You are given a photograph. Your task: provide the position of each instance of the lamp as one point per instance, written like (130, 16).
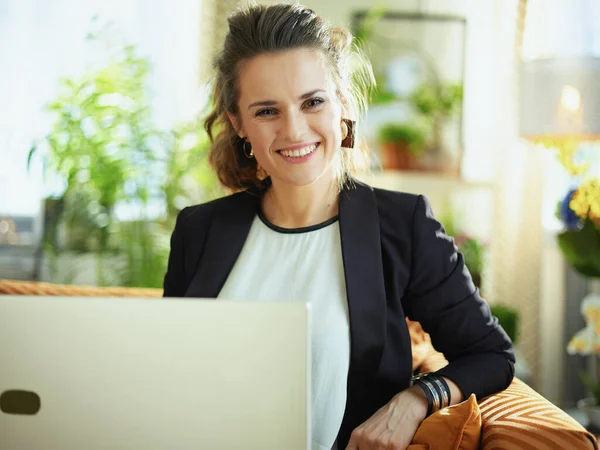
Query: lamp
(560, 104)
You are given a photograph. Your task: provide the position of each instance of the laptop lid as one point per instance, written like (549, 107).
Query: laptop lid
(131, 373)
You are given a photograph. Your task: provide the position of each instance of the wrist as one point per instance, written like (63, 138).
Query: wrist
(421, 402)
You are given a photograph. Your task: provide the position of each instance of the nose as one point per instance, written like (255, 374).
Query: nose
(295, 126)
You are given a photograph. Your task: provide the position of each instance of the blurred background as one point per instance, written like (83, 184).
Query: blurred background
(491, 108)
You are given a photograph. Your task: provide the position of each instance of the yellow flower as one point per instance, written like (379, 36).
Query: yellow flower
(586, 200)
(565, 149)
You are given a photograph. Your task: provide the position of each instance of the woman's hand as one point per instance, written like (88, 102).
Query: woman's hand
(394, 425)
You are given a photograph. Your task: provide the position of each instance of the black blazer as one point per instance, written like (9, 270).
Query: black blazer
(398, 263)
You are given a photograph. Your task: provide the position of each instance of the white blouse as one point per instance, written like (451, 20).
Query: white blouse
(278, 264)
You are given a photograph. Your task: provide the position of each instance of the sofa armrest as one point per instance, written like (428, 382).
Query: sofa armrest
(17, 287)
(520, 418)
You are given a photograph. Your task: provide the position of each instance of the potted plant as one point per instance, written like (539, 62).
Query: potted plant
(106, 152)
(579, 212)
(401, 145)
(437, 103)
(99, 147)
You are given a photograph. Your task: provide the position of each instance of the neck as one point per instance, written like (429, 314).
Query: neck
(289, 206)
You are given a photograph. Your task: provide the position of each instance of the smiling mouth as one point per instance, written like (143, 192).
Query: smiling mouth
(300, 152)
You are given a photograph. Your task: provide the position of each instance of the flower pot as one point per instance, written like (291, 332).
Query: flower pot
(591, 410)
(397, 156)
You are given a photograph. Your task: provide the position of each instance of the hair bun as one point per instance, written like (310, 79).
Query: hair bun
(341, 40)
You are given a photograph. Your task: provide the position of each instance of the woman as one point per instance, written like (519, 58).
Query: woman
(300, 227)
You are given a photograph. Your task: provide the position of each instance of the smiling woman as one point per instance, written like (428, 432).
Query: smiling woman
(286, 110)
(296, 133)
(282, 90)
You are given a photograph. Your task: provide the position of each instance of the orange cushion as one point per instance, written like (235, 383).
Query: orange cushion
(519, 418)
(457, 427)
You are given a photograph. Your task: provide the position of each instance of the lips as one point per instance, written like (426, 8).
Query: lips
(300, 152)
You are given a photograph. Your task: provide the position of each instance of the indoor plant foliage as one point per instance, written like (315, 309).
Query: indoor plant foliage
(100, 148)
(107, 154)
(579, 212)
(580, 244)
(580, 241)
(401, 145)
(437, 103)
(433, 104)
(472, 248)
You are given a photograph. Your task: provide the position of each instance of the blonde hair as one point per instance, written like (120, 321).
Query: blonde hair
(257, 29)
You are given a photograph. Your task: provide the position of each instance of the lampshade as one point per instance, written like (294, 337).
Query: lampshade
(560, 98)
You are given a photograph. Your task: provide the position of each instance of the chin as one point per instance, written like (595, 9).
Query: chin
(301, 180)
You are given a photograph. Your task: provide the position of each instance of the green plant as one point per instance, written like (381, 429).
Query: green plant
(446, 218)
(106, 151)
(437, 100)
(364, 30)
(473, 251)
(409, 134)
(186, 165)
(434, 100)
(579, 242)
(508, 318)
(381, 95)
(472, 248)
(100, 146)
(437, 103)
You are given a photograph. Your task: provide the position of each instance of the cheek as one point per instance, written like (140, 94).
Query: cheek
(332, 129)
(262, 138)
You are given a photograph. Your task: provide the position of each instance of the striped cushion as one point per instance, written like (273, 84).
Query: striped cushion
(521, 419)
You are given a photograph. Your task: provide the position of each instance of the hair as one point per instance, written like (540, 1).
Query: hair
(256, 30)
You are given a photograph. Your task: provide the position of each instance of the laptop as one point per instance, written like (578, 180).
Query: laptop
(154, 374)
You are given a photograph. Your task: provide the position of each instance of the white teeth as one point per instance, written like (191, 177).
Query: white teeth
(299, 153)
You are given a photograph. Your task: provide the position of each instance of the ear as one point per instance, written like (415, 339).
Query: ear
(235, 124)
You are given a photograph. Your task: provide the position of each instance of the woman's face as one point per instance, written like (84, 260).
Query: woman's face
(290, 114)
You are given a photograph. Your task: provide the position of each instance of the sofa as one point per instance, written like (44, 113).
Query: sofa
(517, 418)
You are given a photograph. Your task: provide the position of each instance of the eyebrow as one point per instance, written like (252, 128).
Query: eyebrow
(273, 102)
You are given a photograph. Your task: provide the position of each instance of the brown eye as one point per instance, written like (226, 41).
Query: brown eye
(267, 112)
(314, 102)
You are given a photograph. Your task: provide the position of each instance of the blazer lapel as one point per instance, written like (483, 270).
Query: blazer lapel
(363, 266)
(226, 237)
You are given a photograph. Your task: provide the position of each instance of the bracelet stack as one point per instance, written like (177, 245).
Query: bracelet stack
(436, 390)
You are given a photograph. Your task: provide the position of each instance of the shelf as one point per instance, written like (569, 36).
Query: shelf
(426, 183)
(470, 202)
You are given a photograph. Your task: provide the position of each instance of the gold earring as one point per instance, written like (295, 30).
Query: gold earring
(349, 127)
(344, 129)
(261, 173)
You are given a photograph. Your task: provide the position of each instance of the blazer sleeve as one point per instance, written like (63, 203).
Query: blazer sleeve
(441, 296)
(175, 281)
